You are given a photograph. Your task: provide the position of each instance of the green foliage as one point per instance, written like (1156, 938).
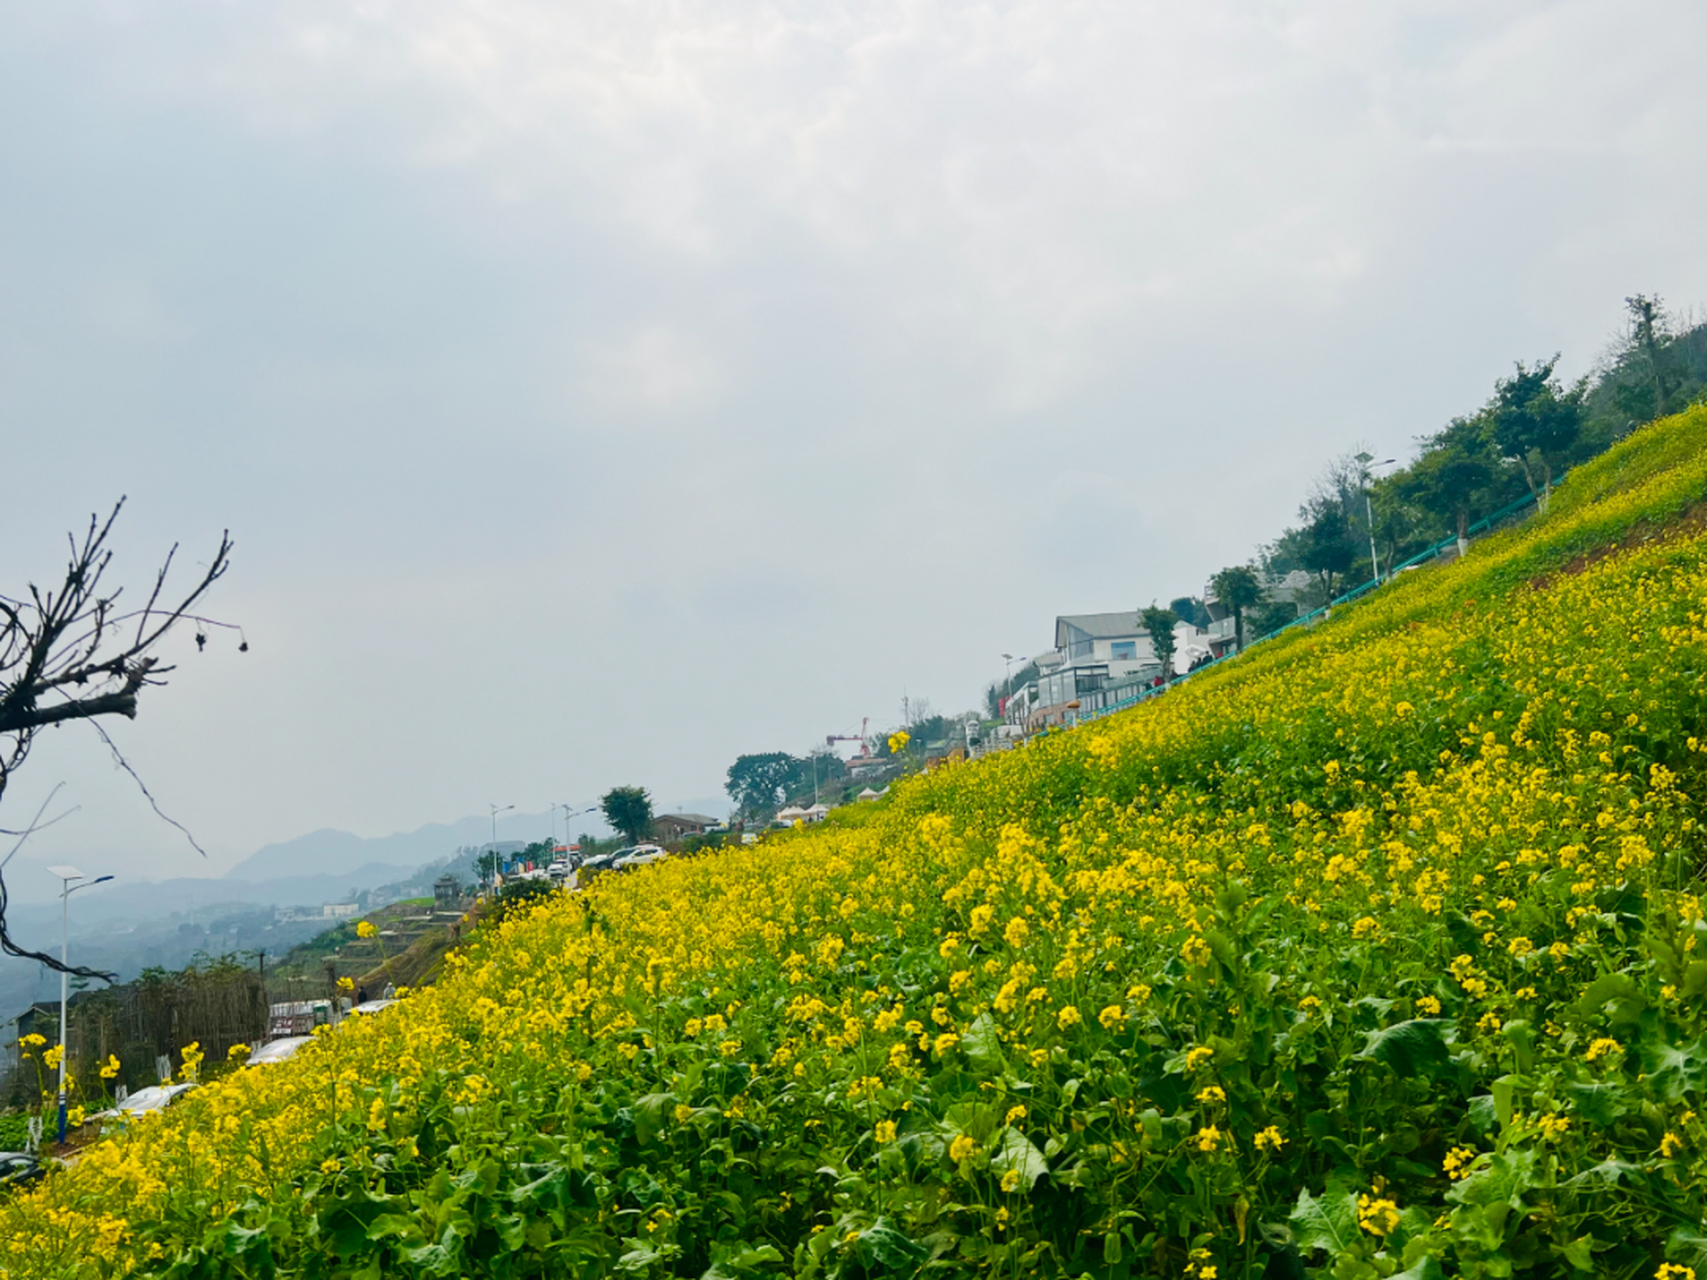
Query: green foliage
(1328, 550)
(1190, 609)
(1238, 588)
(1530, 429)
(628, 810)
(760, 784)
(518, 893)
(1535, 423)
(1159, 623)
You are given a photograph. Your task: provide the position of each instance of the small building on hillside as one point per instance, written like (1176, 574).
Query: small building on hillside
(667, 828)
(447, 893)
(41, 1018)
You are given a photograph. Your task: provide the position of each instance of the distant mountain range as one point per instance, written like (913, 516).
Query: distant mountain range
(130, 927)
(141, 923)
(334, 853)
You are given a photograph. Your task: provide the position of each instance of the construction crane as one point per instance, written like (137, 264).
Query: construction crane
(831, 739)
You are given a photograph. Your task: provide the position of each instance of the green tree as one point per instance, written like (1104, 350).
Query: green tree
(1271, 616)
(628, 810)
(1238, 588)
(1160, 624)
(1452, 477)
(1191, 609)
(1535, 424)
(1648, 332)
(1400, 526)
(759, 783)
(1329, 551)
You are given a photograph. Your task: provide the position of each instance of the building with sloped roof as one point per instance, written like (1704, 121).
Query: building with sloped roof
(670, 827)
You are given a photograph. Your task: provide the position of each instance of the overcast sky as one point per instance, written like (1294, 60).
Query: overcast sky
(598, 391)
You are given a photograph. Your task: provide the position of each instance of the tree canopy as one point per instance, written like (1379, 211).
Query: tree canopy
(1329, 550)
(628, 810)
(1238, 588)
(1160, 625)
(1535, 423)
(759, 783)
(1452, 478)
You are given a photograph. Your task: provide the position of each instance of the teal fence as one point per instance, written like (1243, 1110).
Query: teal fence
(1505, 515)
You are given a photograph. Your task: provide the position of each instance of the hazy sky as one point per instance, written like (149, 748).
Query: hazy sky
(598, 391)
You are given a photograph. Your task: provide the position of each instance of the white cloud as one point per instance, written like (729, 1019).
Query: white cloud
(654, 371)
(1018, 175)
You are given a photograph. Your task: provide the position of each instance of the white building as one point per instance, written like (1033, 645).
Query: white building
(1091, 650)
(1095, 652)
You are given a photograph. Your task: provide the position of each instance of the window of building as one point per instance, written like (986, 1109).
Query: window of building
(1125, 651)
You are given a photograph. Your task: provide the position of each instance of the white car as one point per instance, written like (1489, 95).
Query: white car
(638, 856)
(277, 1050)
(156, 1097)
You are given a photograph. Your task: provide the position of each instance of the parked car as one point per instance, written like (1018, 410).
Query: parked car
(601, 861)
(277, 1050)
(156, 1097)
(639, 856)
(17, 1168)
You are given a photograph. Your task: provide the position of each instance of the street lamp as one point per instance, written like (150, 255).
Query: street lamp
(1008, 677)
(1369, 508)
(66, 889)
(569, 812)
(567, 815)
(496, 810)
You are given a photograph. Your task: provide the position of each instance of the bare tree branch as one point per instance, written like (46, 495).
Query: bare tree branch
(143, 787)
(63, 658)
(6, 944)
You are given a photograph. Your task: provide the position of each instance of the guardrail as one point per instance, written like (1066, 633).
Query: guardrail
(1481, 528)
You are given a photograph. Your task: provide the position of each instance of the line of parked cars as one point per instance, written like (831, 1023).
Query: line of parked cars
(634, 855)
(566, 874)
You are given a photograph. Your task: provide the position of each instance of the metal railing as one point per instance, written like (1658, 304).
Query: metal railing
(1482, 527)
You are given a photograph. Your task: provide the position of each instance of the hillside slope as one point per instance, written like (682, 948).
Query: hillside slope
(1371, 953)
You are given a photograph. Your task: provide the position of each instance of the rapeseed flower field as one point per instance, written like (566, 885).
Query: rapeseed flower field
(1375, 953)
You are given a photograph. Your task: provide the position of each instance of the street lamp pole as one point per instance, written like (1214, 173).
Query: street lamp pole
(496, 810)
(1369, 511)
(569, 811)
(66, 889)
